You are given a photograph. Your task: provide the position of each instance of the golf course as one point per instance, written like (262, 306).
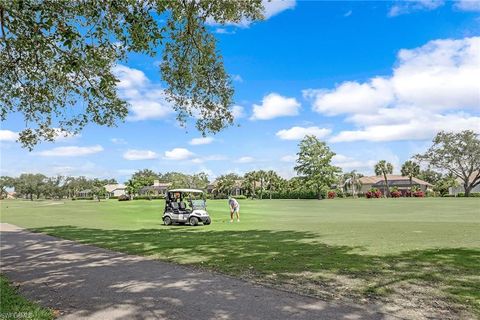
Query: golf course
(383, 249)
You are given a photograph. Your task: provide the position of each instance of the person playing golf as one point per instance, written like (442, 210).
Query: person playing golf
(234, 208)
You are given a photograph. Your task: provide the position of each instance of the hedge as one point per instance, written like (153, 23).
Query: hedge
(148, 198)
(472, 194)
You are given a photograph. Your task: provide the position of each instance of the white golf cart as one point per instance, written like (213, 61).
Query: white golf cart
(185, 206)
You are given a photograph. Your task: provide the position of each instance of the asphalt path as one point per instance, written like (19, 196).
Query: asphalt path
(86, 282)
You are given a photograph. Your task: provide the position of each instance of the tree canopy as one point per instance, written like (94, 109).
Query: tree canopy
(314, 164)
(57, 60)
(458, 154)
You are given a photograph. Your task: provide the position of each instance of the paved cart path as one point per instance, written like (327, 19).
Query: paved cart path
(86, 282)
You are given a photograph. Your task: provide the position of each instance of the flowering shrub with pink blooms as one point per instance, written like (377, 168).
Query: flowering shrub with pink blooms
(419, 194)
(373, 193)
(395, 194)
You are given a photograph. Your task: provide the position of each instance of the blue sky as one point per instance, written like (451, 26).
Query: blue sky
(376, 80)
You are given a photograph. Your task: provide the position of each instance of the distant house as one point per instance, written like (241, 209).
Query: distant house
(11, 195)
(237, 188)
(85, 193)
(460, 189)
(116, 190)
(401, 182)
(158, 188)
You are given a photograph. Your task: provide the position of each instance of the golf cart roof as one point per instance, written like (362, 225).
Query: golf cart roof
(186, 190)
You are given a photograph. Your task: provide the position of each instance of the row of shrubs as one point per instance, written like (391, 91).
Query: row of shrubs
(462, 195)
(332, 194)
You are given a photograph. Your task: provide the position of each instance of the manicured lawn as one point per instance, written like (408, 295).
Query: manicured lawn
(382, 248)
(14, 306)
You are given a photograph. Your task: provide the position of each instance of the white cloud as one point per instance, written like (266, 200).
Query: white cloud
(8, 135)
(274, 7)
(273, 106)
(405, 7)
(352, 96)
(297, 133)
(289, 158)
(271, 8)
(430, 90)
(237, 78)
(224, 31)
(147, 100)
(71, 151)
(348, 13)
(214, 157)
(348, 163)
(119, 141)
(129, 77)
(132, 154)
(178, 154)
(62, 135)
(238, 112)
(126, 172)
(468, 5)
(421, 126)
(201, 140)
(245, 159)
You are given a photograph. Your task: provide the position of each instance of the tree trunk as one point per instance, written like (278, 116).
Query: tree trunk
(468, 188)
(387, 190)
(270, 192)
(411, 187)
(261, 189)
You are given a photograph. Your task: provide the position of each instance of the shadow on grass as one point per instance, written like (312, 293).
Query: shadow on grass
(282, 256)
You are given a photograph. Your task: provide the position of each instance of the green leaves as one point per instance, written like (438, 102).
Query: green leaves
(56, 60)
(314, 163)
(457, 153)
(410, 169)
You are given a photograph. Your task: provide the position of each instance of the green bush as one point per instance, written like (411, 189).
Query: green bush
(340, 193)
(294, 195)
(148, 198)
(472, 194)
(84, 198)
(240, 197)
(431, 194)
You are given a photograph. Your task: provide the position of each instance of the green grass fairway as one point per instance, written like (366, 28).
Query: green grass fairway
(382, 248)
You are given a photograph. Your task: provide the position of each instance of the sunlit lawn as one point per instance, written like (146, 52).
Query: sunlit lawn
(353, 248)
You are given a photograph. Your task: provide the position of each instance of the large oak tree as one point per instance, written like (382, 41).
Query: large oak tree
(57, 56)
(458, 154)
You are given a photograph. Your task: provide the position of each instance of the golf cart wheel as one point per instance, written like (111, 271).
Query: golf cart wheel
(193, 221)
(167, 221)
(208, 221)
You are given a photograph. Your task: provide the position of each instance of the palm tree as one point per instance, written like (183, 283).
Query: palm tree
(410, 169)
(352, 180)
(249, 183)
(383, 168)
(272, 179)
(261, 177)
(225, 184)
